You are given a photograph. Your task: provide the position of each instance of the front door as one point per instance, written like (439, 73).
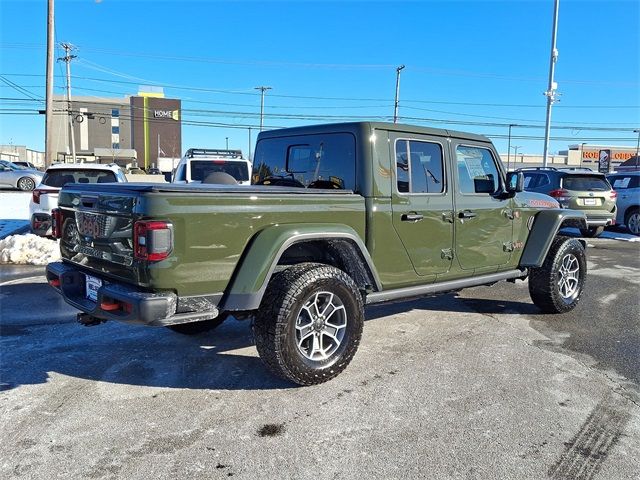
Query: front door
(483, 221)
(422, 201)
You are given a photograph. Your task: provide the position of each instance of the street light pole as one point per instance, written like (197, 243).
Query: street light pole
(637, 147)
(551, 92)
(515, 154)
(67, 59)
(262, 90)
(227, 139)
(395, 108)
(509, 145)
(250, 144)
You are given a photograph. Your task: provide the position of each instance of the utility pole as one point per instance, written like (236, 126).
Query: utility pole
(67, 59)
(637, 147)
(48, 121)
(509, 145)
(551, 92)
(262, 90)
(250, 145)
(395, 108)
(227, 139)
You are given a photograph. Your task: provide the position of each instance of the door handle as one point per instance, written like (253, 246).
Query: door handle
(467, 214)
(411, 217)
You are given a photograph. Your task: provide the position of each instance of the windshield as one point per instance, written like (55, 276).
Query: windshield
(200, 169)
(311, 161)
(10, 165)
(585, 183)
(59, 177)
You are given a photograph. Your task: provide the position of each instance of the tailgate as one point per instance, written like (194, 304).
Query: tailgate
(97, 231)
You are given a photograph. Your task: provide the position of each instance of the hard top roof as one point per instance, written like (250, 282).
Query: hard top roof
(359, 126)
(84, 166)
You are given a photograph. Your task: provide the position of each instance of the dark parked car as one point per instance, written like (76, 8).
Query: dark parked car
(577, 189)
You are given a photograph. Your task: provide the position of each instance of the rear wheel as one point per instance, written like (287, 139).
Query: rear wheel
(26, 184)
(591, 232)
(556, 286)
(197, 327)
(632, 221)
(309, 324)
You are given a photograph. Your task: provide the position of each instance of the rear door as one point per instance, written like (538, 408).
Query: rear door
(422, 201)
(483, 222)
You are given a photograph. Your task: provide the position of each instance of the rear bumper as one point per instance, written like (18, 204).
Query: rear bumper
(601, 220)
(125, 303)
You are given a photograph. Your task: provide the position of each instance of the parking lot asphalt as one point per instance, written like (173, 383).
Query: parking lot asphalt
(476, 385)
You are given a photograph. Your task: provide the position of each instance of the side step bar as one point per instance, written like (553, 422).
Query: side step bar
(412, 292)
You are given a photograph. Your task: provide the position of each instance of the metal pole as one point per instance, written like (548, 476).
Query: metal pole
(397, 101)
(67, 59)
(553, 86)
(262, 90)
(227, 139)
(48, 123)
(637, 147)
(509, 149)
(250, 145)
(515, 153)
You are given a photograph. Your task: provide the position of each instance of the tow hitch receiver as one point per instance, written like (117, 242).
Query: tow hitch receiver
(88, 320)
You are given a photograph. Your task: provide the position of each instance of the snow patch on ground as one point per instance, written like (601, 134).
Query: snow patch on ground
(29, 249)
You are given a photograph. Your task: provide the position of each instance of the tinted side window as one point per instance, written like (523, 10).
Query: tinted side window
(179, 176)
(200, 169)
(536, 180)
(623, 182)
(475, 164)
(311, 161)
(419, 167)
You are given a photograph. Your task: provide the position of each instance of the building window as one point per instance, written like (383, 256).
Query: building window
(115, 129)
(115, 113)
(115, 145)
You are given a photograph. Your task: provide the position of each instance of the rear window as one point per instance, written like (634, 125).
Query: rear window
(622, 182)
(585, 183)
(307, 161)
(59, 177)
(201, 169)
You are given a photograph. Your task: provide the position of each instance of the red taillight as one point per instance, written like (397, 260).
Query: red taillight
(54, 282)
(560, 192)
(613, 194)
(152, 240)
(56, 223)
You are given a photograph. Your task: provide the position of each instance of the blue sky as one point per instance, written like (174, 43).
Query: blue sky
(470, 65)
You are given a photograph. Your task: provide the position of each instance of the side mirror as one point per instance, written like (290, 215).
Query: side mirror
(483, 185)
(515, 182)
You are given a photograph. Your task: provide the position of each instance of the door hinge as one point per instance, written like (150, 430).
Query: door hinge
(447, 217)
(508, 213)
(446, 254)
(507, 247)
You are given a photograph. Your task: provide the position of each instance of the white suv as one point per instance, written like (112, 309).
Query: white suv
(45, 196)
(204, 165)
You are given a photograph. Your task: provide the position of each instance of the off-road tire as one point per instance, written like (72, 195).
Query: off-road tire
(274, 326)
(591, 232)
(632, 221)
(544, 281)
(195, 328)
(26, 184)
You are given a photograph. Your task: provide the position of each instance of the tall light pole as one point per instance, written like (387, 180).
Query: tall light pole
(250, 145)
(551, 92)
(48, 122)
(515, 154)
(67, 59)
(395, 108)
(227, 139)
(637, 147)
(509, 145)
(262, 90)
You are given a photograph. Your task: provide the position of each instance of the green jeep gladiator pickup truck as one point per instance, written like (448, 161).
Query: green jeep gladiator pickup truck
(337, 217)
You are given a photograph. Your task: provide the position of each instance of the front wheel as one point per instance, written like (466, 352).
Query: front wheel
(309, 324)
(26, 184)
(556, 286)
(632, 221)
(591, 232)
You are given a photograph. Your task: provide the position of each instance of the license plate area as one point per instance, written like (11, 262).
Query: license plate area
(92, 284)
(590, 201)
